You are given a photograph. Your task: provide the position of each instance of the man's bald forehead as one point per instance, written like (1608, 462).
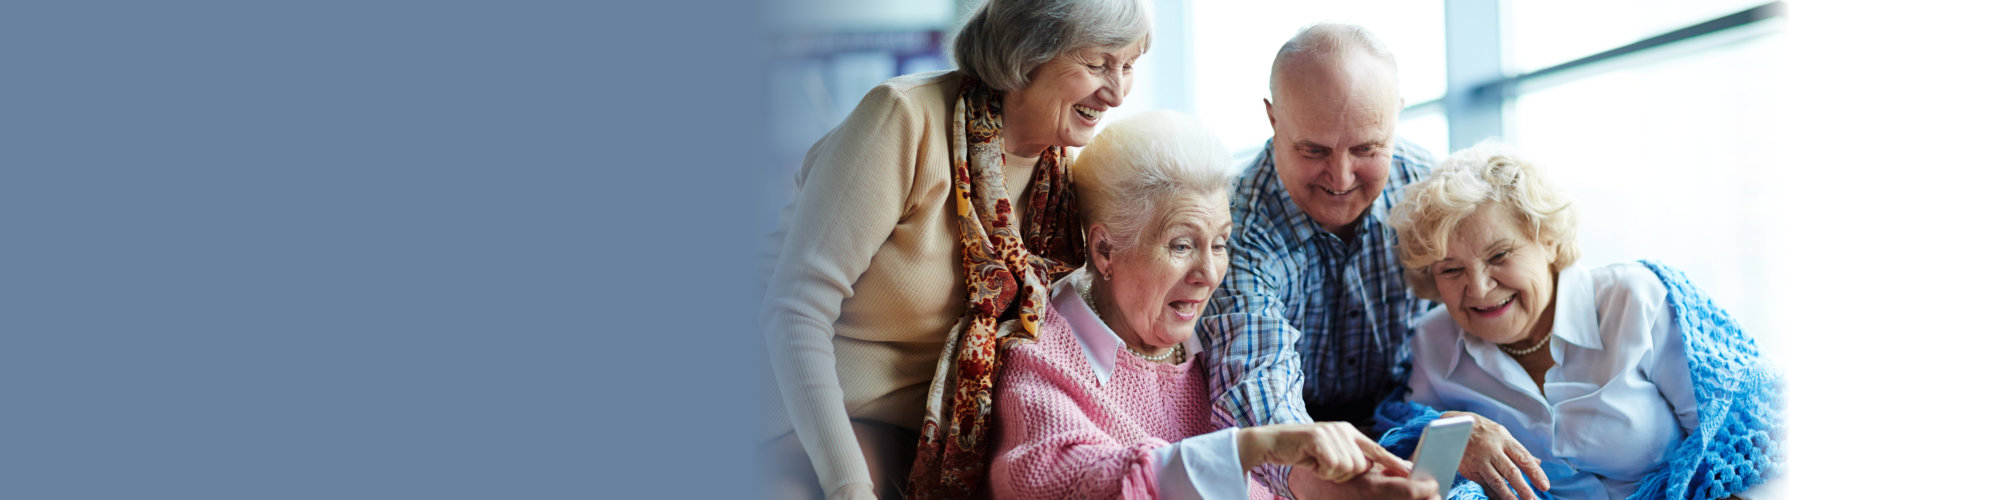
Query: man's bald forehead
(1324, 46)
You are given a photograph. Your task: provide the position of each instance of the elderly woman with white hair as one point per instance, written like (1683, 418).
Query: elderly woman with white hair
(1107, 402)
(1621, 381)
(937, 211)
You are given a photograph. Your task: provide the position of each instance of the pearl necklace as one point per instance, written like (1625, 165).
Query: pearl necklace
(1531, 350)
(1175, 355)
(1172, 356)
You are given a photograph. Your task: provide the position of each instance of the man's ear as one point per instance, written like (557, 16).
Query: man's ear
(1271, 113)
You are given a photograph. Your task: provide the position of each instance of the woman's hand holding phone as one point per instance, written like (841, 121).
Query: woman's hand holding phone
(1495, 460)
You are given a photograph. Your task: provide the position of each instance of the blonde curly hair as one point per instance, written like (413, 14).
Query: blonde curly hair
(1486, 174)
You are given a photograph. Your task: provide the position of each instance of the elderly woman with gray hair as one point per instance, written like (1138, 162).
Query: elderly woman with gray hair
(932, 220)
(1107, 403)
(1620, 381)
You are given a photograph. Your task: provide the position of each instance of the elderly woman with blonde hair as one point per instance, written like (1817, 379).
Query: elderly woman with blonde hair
(1621, 381)
(939, 210)
(1107, 403)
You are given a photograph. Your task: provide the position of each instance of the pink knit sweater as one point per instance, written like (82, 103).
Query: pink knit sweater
(1063, 434)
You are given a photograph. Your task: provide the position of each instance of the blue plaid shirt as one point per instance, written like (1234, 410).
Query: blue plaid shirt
(1297, 299)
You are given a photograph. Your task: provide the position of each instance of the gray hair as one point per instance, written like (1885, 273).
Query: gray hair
(1328, 40)
(1136, 163)
(1004, 40)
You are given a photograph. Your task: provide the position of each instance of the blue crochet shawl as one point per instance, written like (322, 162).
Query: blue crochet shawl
(1739, 399)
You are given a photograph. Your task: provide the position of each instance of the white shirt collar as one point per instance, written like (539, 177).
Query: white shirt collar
(1100, 346)
(1576, 308)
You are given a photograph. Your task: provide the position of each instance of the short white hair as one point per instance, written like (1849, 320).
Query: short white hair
(1004, 40)
(1136, 163)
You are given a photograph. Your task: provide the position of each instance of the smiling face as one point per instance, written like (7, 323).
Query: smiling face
(1159, 285)
(1495, 279)
(1066, 99)
(1334, 124)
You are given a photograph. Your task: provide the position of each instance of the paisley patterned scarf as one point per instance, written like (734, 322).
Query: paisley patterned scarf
(1007, 279)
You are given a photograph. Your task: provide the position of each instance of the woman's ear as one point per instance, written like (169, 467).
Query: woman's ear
(1097, 241)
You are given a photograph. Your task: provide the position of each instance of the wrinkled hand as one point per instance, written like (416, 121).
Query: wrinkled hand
(1333, 451)
(853, 491)
(1378, 483)
(1498, 462)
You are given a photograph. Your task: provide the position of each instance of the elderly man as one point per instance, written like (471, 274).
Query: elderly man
(1312, 320)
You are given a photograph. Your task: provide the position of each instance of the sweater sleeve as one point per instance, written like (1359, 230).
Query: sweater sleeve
(852, 190)
(1048, 446)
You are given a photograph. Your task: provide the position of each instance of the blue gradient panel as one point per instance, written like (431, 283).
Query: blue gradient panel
(376, 250)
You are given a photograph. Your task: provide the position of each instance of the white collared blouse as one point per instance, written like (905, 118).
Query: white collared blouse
(1618, 398)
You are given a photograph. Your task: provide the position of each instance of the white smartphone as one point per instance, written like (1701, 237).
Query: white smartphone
(1440, 448)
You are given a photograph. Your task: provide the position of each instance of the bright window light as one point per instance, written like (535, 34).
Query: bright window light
(1545, 33)
(1672, 161)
